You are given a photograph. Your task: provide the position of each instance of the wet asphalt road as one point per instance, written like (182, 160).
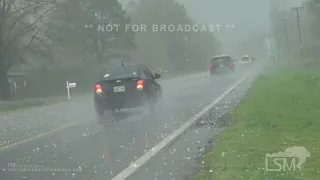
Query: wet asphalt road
(65, 140)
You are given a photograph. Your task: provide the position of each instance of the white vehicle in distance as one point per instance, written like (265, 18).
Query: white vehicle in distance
(245, 60)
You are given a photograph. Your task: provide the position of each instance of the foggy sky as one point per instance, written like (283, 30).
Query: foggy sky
(250, 17)
(239, 12)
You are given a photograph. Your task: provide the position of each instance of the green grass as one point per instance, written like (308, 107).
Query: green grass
(281, 111)
(14, 105)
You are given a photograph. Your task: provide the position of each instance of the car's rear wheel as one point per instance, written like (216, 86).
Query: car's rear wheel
(152, 103)
(99, 110)
(100, 114)
(111, 111)
(159, 94)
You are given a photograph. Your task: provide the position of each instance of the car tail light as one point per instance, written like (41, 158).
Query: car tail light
(98, 89)
(211, 66)
(140, 84)
(230, 64)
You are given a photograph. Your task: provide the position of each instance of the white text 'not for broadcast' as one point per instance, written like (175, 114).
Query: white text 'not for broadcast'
(162, 28)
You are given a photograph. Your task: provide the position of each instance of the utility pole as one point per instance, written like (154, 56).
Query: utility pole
(278, 49)
(296, 9)
(287, 40)
(286, 34)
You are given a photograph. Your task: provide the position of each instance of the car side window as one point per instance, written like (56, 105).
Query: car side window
(148, 73)
(142, 73)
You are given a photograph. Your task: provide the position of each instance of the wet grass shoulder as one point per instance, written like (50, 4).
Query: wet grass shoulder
(15, 105)
(281, 111)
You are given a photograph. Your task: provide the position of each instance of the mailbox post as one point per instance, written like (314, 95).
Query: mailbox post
(69, 86)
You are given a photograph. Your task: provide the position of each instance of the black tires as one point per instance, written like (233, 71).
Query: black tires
(104, 114)
(159, 94)
(111, 111)
(99, 110)
(155, 103)
(100, 114)
(152, 102)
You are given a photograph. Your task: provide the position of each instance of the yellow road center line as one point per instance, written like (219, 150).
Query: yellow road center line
(7, 147)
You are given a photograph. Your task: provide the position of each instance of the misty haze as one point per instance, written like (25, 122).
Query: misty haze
(159, 89)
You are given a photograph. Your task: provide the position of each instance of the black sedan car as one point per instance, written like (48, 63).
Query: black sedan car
(222, 63)
(126, 86)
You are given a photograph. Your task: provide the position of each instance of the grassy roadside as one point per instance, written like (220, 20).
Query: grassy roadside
(6, 107)
(11, 106)
(14, 105)
(281, 111)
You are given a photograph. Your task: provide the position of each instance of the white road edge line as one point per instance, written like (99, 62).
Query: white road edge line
(127, 172)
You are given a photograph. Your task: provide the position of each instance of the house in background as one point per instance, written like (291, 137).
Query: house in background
(17, 79)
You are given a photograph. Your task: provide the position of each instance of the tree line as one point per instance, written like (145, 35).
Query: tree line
(60, 40)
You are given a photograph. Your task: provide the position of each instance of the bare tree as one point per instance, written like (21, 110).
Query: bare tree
(21, 25)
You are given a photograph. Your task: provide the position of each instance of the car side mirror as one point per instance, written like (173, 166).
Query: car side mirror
(157, 76)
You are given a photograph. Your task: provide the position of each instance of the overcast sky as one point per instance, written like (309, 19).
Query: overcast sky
(250, 17)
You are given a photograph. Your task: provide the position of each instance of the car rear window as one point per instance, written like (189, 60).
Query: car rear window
(220, 60)
(244, 59)
(120, 72)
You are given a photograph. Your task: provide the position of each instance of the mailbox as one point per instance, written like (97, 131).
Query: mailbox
(72, 85)
(69, 86)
